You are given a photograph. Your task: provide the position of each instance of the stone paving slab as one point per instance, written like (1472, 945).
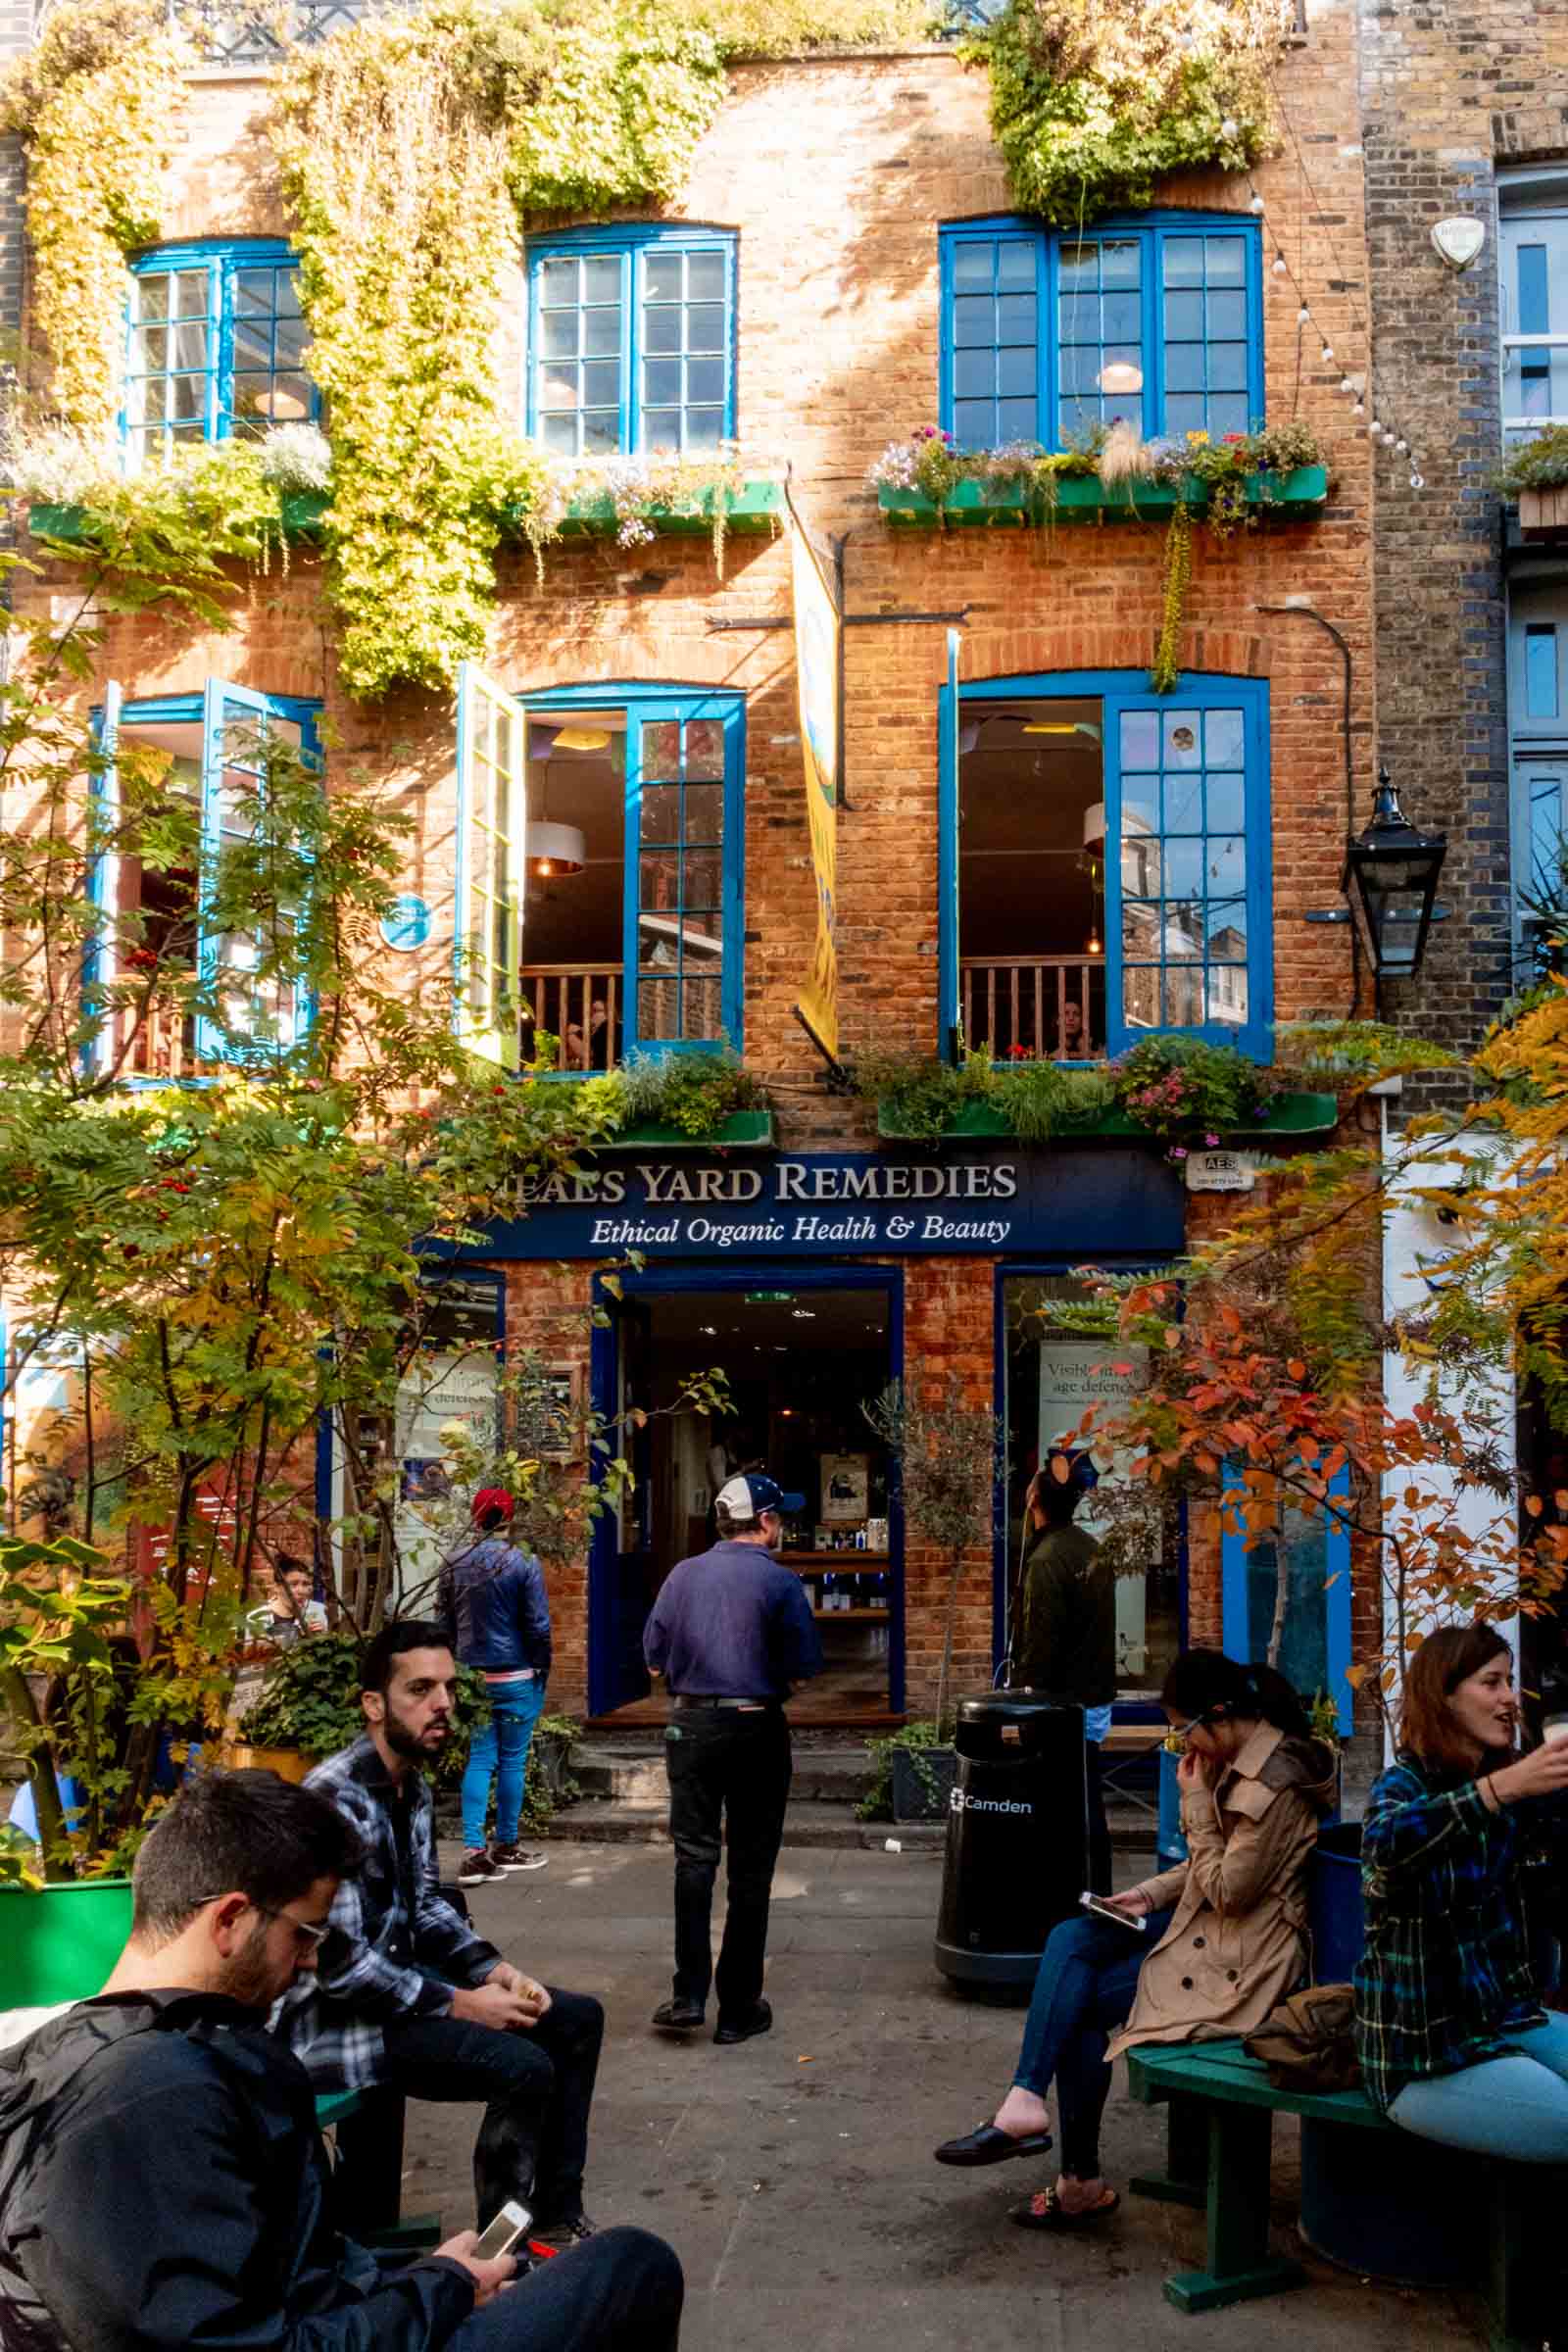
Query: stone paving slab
(802, 2196)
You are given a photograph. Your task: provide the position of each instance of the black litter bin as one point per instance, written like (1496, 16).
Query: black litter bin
(1017, 1836)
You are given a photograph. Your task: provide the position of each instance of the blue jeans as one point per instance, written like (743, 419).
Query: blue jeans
(1084, 1989)
(498, 1751)
(1515, 2106)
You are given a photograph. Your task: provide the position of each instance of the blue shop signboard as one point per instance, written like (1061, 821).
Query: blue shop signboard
(851, 1205)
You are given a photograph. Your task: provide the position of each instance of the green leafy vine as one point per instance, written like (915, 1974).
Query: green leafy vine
(97, 106)
(1093, 101)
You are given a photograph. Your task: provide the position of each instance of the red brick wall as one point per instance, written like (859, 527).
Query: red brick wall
(836, 175)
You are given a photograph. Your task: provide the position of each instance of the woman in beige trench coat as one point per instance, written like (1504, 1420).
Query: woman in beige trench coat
(1207, 1948)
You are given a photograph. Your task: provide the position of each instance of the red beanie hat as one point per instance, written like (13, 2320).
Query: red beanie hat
(489, 1500)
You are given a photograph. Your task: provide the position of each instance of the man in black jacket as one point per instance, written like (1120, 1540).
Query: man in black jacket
(161, 2181)
(1064, 1642)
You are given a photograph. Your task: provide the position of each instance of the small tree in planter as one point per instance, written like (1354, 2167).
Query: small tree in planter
(946, 1457)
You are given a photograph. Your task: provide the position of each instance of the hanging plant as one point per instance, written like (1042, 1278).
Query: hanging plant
(97, 106)
(1165, 668)
(1093, 101)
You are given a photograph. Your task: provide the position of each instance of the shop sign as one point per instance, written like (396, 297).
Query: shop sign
(1072, 1204)
(1222, 1171)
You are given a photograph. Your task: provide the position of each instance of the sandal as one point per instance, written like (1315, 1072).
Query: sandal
(1045, 2210)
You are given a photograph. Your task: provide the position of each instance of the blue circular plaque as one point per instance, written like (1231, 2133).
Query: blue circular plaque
(406, 924)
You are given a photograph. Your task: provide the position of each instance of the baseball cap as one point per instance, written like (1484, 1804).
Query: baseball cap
(746, 1498)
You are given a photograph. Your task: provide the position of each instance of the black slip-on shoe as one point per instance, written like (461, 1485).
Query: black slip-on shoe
(742, 2027)
(678, 2017)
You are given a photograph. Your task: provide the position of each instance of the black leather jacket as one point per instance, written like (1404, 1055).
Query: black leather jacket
(162, 2185)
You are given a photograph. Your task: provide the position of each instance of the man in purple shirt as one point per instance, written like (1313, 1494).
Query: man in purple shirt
(730, 1632)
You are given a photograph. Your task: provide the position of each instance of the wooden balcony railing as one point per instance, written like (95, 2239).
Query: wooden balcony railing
(1024, 1007)
(578, 1003)
(162, 1045)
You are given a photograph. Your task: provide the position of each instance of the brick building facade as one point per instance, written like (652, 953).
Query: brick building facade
(834, 177)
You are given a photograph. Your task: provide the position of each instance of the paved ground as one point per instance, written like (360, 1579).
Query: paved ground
(793, 2174)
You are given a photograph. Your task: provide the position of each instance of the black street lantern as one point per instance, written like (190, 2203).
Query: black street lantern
(1394, 870)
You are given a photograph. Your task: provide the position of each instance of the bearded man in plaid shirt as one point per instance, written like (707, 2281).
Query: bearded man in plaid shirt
(406, 1995)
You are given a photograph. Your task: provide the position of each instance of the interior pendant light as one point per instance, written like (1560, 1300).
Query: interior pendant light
(554, 850)
(582, 739)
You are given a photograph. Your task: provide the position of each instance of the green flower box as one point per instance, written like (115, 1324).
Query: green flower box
(1292, 1116)
(1085, 498)
(742, 1131)
(755, 507)
(58, 1943)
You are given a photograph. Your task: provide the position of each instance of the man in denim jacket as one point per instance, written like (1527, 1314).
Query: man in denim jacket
(494, 1604)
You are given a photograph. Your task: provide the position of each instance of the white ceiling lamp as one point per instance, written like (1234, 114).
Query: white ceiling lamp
(1120, 376)
(555, 849)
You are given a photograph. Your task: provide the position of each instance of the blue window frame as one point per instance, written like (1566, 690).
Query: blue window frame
(1157, 318)
(632, 339)
(679, 754)
(216, 346)
(1188, 887)
(1295, 1578)
(216, 740)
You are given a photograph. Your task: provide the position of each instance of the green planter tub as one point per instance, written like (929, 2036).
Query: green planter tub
(59, 1944)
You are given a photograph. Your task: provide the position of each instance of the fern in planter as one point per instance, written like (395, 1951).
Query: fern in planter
(697, 1092)
(913, 1740)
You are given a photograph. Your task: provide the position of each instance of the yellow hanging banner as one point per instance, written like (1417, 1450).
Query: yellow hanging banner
(819, 673)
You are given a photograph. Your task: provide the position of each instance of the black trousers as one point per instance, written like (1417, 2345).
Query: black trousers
(730, 1770)
(620, 2293)
(1100, 1881)
(537, 2088)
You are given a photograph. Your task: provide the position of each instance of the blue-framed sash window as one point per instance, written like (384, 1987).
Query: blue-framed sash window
(631, 340)
(216, 346)
(1188, 883)
(1047, 333)
(1290, 1584)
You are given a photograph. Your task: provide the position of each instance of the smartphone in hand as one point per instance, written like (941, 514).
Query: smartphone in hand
(503, 2234)
(1099, 1909)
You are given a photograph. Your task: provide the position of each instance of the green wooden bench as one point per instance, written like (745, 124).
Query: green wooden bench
(368, 2177)
(1220, 2143)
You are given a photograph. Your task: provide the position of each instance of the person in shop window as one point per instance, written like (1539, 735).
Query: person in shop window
(730, 1633)
(1065, 1641)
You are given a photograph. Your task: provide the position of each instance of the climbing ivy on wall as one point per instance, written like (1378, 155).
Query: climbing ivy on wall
(409, 149)
(98, 106)
(1093, 101)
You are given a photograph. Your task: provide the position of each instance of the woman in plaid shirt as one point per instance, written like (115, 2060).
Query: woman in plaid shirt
(1455, 2043)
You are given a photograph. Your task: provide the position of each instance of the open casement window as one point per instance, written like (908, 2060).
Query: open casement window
(635, 942)
(1156, 317)
(1287, 1592)
(100, 963)
(259, 1014)
(492, 834)
(1106, 870)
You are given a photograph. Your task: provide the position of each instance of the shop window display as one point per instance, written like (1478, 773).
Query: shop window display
(1053, 1375)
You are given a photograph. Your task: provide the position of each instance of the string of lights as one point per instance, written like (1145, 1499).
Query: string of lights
(1367, 392)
